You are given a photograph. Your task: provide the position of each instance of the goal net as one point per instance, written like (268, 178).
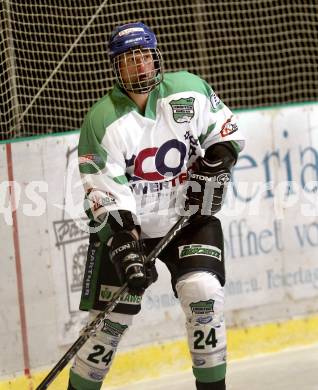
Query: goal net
(54, 63)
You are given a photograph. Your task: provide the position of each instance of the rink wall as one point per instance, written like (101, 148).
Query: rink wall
(270, 225)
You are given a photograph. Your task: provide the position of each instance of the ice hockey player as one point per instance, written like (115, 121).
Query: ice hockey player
(156, 146)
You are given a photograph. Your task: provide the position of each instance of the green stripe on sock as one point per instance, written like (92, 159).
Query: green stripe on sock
(83, 384)
(213, 374)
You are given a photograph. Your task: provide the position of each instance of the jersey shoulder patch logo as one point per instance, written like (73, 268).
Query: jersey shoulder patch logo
(215, 101)
(228, 127)
(183, 109)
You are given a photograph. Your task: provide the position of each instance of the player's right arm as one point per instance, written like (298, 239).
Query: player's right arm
(109, 200)
(102, 169)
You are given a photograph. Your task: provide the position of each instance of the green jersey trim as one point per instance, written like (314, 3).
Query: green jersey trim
(236, 146)
(121, 179)
(183, 82)
(203, 137)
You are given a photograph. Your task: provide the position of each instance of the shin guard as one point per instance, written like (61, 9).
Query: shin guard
(94, 359)
(202, 299)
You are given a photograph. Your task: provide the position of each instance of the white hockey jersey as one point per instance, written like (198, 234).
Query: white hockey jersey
(138, 161)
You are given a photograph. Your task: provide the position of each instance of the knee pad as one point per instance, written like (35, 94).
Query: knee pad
(202, 299)
(93, 360)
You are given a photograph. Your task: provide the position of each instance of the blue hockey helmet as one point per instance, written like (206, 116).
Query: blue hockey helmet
(130, 36)
(140, 42)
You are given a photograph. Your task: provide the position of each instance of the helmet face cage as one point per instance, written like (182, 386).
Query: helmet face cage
(138, 70)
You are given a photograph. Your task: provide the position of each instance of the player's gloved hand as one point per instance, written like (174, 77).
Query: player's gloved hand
(127, 255)
(208, 183)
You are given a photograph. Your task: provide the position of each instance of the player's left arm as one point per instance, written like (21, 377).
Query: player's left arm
(209, 177)
(222, 141)
(217, 123)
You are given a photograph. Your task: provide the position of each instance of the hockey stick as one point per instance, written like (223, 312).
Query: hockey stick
(91, 328)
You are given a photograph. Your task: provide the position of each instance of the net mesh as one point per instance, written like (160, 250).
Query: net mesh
(54, 61)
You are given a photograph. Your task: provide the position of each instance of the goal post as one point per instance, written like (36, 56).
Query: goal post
(54, 62)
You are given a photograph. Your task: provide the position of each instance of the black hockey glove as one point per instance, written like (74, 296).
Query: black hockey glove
(209, 178)
(208, 183)
(127, 255)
